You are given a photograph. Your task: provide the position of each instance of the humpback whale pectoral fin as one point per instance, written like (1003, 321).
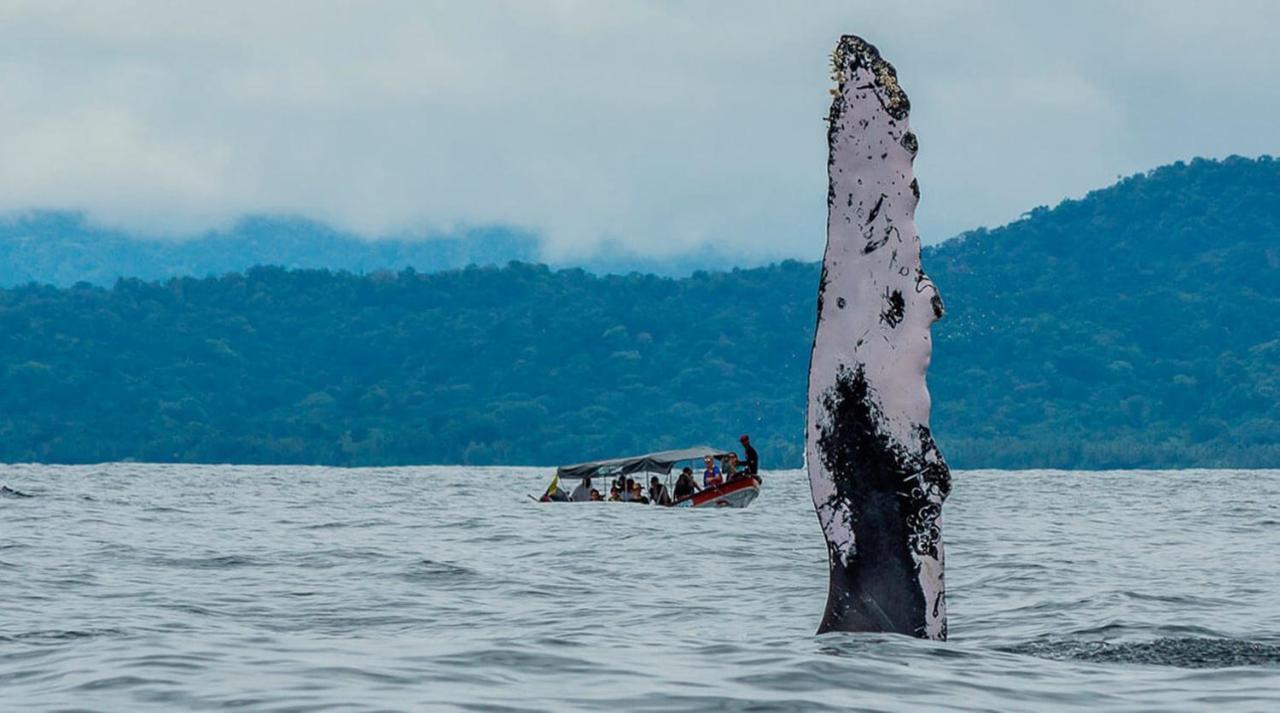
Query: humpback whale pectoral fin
(877, 478)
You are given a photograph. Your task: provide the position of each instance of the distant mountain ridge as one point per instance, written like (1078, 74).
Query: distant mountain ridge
(62, 248)
(1136, 327)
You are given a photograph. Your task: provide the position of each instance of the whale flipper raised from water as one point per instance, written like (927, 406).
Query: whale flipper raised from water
(877, 477)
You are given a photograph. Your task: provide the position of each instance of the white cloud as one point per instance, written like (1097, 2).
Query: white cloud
(659, 125)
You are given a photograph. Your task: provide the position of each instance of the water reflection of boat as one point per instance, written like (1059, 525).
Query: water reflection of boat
(739, 492)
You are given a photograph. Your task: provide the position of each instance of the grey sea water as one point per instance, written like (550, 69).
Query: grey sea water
(175, 587)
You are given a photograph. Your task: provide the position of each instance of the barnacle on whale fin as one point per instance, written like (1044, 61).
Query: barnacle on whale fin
(853, 53)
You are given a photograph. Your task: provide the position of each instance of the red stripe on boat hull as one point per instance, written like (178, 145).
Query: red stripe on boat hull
(734, 494)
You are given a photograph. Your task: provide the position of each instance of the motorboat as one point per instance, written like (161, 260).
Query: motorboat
(737, 492)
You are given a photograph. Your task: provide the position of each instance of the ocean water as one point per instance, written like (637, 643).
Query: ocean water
(174, 587)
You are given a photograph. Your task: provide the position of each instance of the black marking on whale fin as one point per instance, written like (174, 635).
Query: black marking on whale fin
(935, 300)
(868, 469)
(822, 289)
(874, 245)
(894, 310)
(910, 143)
(875, 209)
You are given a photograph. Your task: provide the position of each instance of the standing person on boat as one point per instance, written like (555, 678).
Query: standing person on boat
(658, 494)
(753, 458)
(686, 486)
(582, 493)
(711, 474)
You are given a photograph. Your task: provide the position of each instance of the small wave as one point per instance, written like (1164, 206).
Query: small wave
(218, 562)
(342, 524)
(51, 637)
(175, 662)
(1177, 600)
(428, 570)
(188, 608)
(335, 557)
(349, 624)
(116, 682)
(7, 492)
(1175, 652)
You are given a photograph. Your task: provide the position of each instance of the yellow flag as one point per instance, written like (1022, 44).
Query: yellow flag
(555, 485)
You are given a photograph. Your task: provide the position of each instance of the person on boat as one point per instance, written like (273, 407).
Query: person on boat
(731, 468)
(596, 496)
(753, 459)
(711, 474)
(615, 494)
(658, 494)
(686, 486)
(582, 493)
(556, 496)
(637, 493)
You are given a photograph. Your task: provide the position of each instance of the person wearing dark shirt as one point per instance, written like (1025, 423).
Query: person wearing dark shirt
(637, 493)
(658, 494)
(686, 486)
(753, 458)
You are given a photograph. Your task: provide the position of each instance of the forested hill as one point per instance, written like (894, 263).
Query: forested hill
(1139, 326)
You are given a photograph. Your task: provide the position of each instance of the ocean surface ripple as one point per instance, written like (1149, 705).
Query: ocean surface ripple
(160, 587)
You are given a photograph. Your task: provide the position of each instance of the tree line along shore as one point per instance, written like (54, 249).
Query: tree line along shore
(1136, 327)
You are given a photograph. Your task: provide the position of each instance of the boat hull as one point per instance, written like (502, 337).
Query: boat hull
(734, 494)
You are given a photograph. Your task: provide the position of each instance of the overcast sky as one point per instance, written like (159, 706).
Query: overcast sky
(662, 126)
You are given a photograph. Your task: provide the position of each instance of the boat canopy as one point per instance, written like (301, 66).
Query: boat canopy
(659, 462)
